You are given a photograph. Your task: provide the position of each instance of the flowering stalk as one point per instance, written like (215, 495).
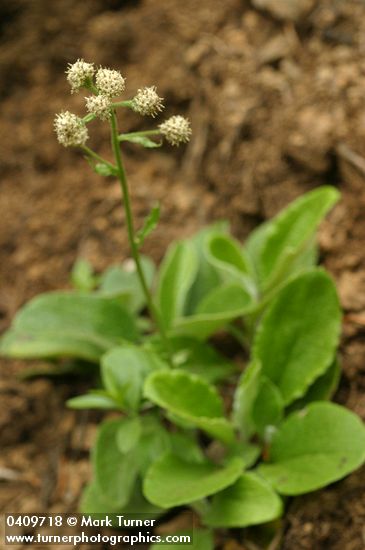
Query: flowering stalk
(131, 232)
(72, 131)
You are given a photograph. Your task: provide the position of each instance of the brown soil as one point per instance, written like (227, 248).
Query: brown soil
(277, 107)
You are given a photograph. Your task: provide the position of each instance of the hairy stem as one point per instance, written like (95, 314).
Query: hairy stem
(155, 314)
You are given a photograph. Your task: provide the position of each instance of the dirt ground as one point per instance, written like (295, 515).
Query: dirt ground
(275, 90)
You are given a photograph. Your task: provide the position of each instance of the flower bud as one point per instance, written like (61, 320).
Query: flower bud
(99, 105)
(176, 130)
(79, 74)
(147, 102)
(70, 130)
(110, 82)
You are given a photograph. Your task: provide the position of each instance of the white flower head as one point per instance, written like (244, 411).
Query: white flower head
(147, 102)
(110, 82)
(176, 130)
(99, 105)
(79, 74)
(70, 130)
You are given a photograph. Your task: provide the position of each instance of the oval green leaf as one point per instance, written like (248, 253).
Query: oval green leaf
(200, 358)
(219, 307)
(192, 399)
(154, 442)
(322, 389)
(82, 275)
(92, 401)
(129, 434)
(207, 277)
(172, 481)
(299, 334)
(226, 253)
(276, 245)
(177, 273)
(93, 502)
(64, 324)
(122, 282)
(123, 371)
(314, 447)
(244, 399)
(115, 472)
(231, 261)
(250, 501)
(268, 407)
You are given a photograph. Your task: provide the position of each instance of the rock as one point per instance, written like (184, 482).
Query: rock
(275, 49)
(351, 289)
(310, 142)
(289, 10)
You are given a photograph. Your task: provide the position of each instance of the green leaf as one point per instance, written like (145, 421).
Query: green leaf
(103, 169)
(63, 324)
(244, 399)
(140, 140)
(230, 298)
(230, 259)
(322, 388)
(277, 244)
(139, 505)
(226, 252)
(185, 446)
(172, 481)
(299, 333)
(82, 275)
(268, 407)
(94, 502)
(250, 501)
(150, 223)
(200, 358)
(218, 308)
(122, 282)
(306, 260)
(314, 447)
(207, 277)
(177, 273)
(202, 539)
(129, 434)
(92, 401)
(123, 371)
(115, 472)
(249, 453)
(153, 443)
(194, 356)
(192, 399)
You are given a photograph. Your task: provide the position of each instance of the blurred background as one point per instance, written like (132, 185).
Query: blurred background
(275, 91)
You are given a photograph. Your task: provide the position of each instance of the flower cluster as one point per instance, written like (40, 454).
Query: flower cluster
(70, 130)
(99, 105)
(147, 102)
(109, 82)
(176, 130)
(80, 74)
